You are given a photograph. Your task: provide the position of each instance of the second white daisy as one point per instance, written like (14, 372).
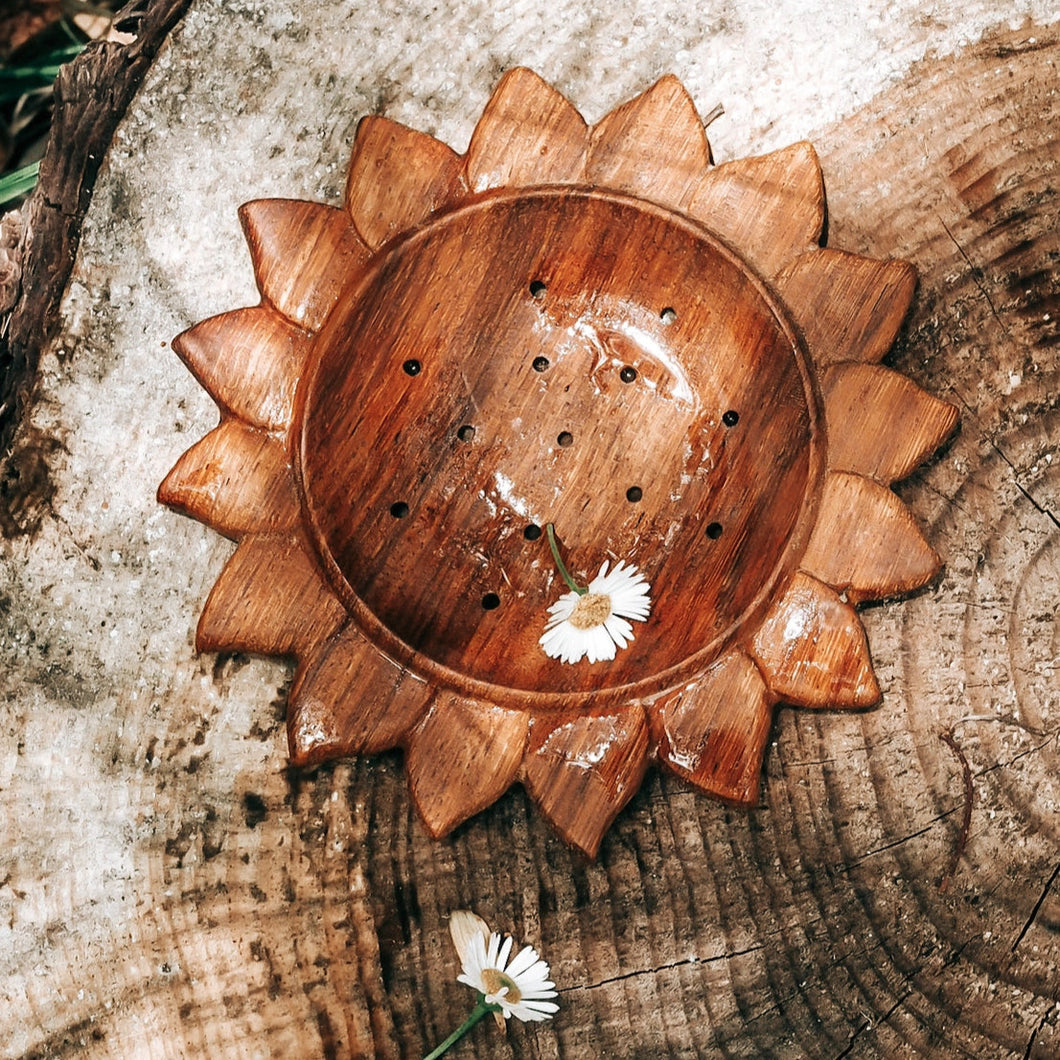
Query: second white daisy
(520, 989)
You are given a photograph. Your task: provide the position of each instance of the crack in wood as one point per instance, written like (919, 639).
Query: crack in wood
(684, 963)
(1028, 1052)
(1037, 907)
(977, 274)
(1041, 509)
(966, 818)
(868, 1023)
(1008, 719)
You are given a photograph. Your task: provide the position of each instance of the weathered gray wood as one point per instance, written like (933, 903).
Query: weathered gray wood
(167, 888)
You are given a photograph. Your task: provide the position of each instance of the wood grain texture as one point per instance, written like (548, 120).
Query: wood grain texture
(540, 352)
(303, 914)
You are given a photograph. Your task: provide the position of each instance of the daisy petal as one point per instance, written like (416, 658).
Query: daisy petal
(467, 929)
(599, 645)
(506, 948)
(523, 961)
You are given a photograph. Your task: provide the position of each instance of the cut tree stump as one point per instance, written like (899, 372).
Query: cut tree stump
(168, 888)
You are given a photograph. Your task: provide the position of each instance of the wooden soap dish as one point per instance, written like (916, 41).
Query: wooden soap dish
(590, 328)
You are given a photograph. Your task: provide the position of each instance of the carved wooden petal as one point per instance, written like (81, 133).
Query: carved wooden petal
(812, 651)
(237, 479)
(528, 134)
(269, 599)
(880, 423)
(848, 307)
(771, 209)
(463, 756)
(582, 769)
(653, 146)
(714, 732)
(866, 542)
(397, 178)
(352, 699)
(303, 254)
(249, 360)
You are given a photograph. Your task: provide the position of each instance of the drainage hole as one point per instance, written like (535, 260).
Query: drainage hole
(466, 433)
(565, 438)
(714, 531)
(540, 364)
(412, 367)
(668, 315)
(628, 374)
(399, 509)
(731, 418)
(490, 602)
(532, 532)
(538, 289)
(634, 494)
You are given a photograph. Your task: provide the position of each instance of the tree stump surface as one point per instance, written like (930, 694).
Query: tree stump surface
(169, 888)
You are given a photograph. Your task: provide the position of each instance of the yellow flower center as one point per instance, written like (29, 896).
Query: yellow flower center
(495, 982)
(592, 609)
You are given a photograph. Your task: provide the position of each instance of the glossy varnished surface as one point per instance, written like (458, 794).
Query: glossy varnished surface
(589, 327)
(559, 357)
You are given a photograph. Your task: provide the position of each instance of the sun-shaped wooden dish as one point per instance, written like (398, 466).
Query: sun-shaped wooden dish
(593, 328)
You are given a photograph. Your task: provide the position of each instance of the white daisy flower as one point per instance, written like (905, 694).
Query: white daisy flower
(519, 988)
(593, 622)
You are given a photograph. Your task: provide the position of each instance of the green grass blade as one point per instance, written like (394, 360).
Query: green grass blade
(16, 81)
(16, 184)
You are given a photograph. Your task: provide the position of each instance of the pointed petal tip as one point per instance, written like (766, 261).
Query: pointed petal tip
(351, 698)
(528, 134)
(653, 146)
(849, 308)
(713, 732)
(304, 253)
(770, 208)
(812, 649)
(461, 758)
(880, 423)
(270, 599)
(582, 770)
(249, 361)
(866, 542)
(235, 479)
(397, 178)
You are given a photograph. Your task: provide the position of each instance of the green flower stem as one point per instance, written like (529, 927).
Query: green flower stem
(571, 583)
(481, 1009)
